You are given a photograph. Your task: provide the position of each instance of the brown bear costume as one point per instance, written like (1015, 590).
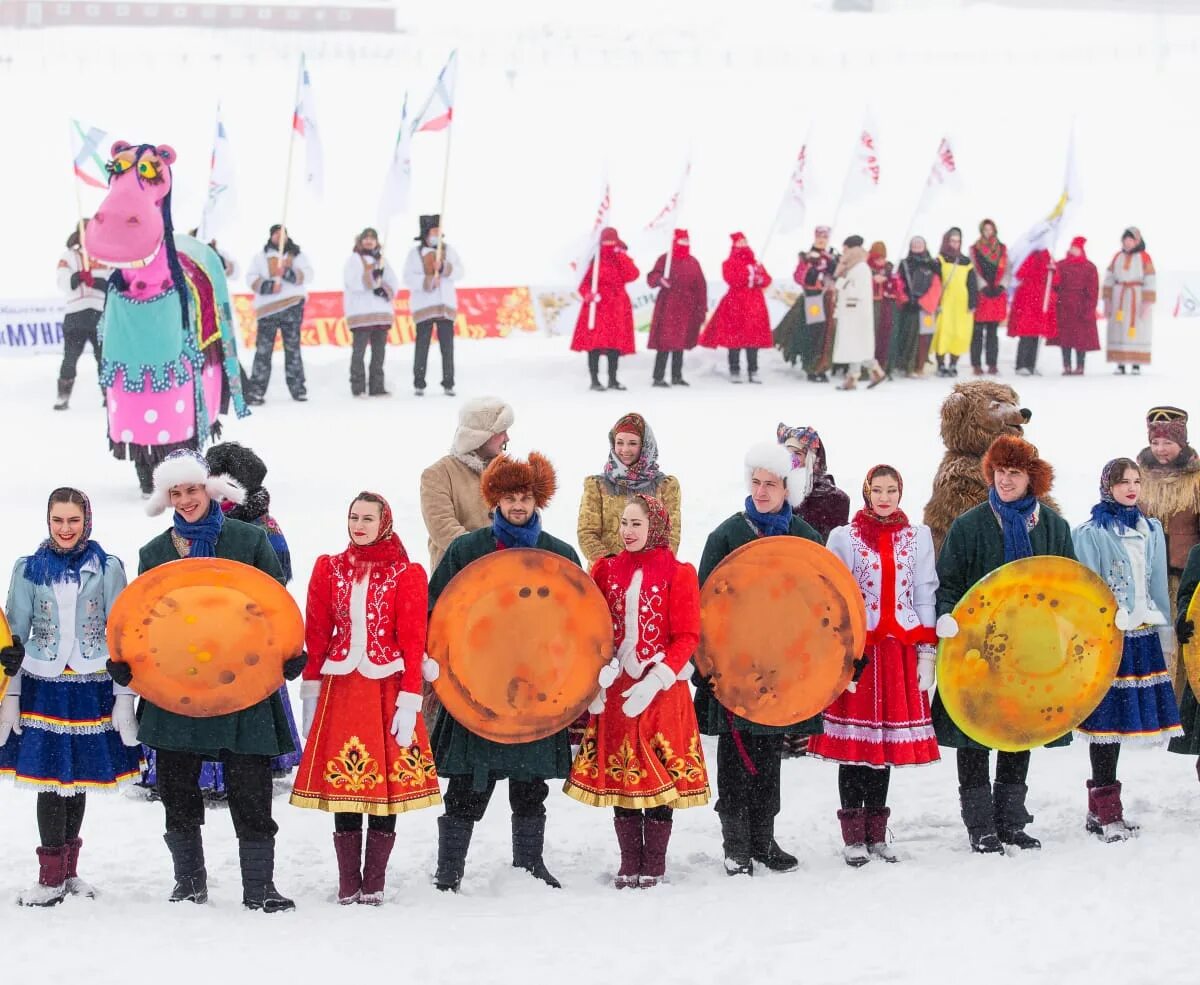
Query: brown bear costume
(973, 416)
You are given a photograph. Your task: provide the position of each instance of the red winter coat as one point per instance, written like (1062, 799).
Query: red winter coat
(679, 310)
(993, 299)
(1027, 317)
(397, 607)
(1078, 292)
(614, 313)
(741, 320)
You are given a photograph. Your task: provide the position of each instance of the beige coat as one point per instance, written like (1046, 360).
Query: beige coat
(451, 504)
(600, 510)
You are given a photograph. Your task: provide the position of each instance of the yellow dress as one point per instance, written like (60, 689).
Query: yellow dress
(955, 320)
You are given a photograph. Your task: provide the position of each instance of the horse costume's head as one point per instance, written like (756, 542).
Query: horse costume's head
(129, 228)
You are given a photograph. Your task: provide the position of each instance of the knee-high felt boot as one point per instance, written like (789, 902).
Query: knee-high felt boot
(1011, 816)
(529, 838)
(1106, 815)
(877, 819)
(854, 836)
(75, 885)
(980, 818)
(258, 877)
(454, 838)
(765, 850)
(374, 877)
(347, 846)
(629, 840)
(654, 854)
(187, 856)
(51, 886)
(64, 394)
(735, 837)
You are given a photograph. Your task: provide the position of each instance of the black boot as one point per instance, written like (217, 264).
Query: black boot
(528, 838)
(980, 819)
(1011, 816)
(454, 838)
(64, 394)
(613, 383)
(593, 359)
(765, 850)
(145, 477)
(735, 836)
(258, 877)
(187, 854)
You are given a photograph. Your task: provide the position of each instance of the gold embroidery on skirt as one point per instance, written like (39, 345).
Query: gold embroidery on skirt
(675, 766)
(413, 768)
(585, 760)
(625, 767)
(354, 768)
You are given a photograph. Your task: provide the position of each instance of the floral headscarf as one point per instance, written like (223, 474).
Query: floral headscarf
(643, 475)
(660, 522)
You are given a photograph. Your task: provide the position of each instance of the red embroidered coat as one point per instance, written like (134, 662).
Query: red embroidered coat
(397, 606)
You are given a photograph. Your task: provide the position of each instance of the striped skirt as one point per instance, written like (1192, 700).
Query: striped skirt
(1140, 706)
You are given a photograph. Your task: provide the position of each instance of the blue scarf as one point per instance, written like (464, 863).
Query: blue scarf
(1111, 515)
(1014, 524)
(511, 535)
(202, 536)
(48, 564)
(770, 524)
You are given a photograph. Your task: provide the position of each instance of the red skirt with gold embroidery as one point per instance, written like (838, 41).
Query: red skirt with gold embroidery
(351, 761)
(648, 761)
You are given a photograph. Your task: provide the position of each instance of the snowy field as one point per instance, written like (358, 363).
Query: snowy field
(1078, 911)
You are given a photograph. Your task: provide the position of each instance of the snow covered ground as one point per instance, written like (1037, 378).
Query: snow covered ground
(1076, 912)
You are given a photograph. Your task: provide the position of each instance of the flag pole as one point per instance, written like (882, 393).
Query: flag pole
(442, 212)
(287, 179)
(87, 260)
(595, 281)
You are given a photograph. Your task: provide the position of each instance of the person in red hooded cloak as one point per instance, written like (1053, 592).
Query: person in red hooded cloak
(1033, 314)
(740, 320)
(1078, 294)
(612, 331)
(679, 309)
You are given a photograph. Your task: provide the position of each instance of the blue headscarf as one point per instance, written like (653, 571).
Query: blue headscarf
(510, 535)
(50, 563)
(770, 524)
(1108, 513)
(1014, 524)
(202, 535)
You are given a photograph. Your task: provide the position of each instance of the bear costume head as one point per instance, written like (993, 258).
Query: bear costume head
(977, 413)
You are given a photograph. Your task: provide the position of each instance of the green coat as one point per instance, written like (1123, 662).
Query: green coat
(457, 750)
(974, 547)
(1189, 708)
(261, 729)
(713, 717)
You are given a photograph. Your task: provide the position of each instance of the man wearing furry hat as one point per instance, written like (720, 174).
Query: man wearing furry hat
(1014, 523)
(243, 742)
(516, 491)
(451, 501)
(748, 755)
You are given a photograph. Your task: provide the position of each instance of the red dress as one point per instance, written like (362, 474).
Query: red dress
(614, 313)
(740, 320)
(656, 758)
(1034, 312)
(886, 721)
(351, 761)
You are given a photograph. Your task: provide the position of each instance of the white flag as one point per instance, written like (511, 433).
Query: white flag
(862, 180)
(221, 203)
(943, 176)
(438, 111)
(584, 250)
(667, 216)
(304, 123)
(90, 154)
(793, 207)
(397, 186)
(1044, 234)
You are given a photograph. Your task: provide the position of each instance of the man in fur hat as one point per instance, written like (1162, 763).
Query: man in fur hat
(243, 742)
(451, 502)
(1013, 523)
(430, 272)
(516, 491)
(748, 754)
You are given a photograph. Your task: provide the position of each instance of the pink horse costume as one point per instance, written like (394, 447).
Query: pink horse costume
(169, 355)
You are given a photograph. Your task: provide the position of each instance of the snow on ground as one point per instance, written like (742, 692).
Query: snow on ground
(1073, 913)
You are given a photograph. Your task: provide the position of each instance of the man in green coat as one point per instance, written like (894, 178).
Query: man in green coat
(515, 491)
(1012, 524)
(243, 742)
(748, 755)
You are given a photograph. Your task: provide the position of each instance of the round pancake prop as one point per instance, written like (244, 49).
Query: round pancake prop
(782, 622)
(205, 636)
(1036, 651)
(1191, 651)
(5, 640)
(521, 635)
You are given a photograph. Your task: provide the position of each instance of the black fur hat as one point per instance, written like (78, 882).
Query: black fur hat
(428, 222)
(232, 459)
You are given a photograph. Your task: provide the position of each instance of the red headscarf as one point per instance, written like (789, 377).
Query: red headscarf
(384, 549)
(655, 559)
(680, 245)
(1080, 242)
(872, 528)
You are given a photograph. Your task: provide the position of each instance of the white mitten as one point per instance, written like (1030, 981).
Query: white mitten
(926, 677)
(608, 673)
(308, 711)
(658, 678)
(124, 720)
(404, 722)
(1121, 619)
(946, 628)
(10, 716)
(431, 670)
(597, 704)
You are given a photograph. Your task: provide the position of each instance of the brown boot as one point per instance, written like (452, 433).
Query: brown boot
(347, 846)
(374, 875)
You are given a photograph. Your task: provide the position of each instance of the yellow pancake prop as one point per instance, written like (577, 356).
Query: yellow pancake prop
(1191, 651)
(5, 640)
(521, 635)
(205, 636)
(782, 622)
(1036, 651)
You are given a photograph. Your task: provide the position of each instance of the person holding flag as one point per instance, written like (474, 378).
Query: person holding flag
(679, 309)
(605, 323)
(279, 277)
(84, 283)
(1078, 292)
(740, 320)
(370, 289)
(430, 273)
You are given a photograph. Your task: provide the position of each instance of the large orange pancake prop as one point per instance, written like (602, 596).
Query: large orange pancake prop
(1036, 651)
(521, 635)
(5, 640)
(205, 636)
(1191, 651)
(782, 622)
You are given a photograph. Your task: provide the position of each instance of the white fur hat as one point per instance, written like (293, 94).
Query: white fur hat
(776, 459)
(185, 467)
(478, 421)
